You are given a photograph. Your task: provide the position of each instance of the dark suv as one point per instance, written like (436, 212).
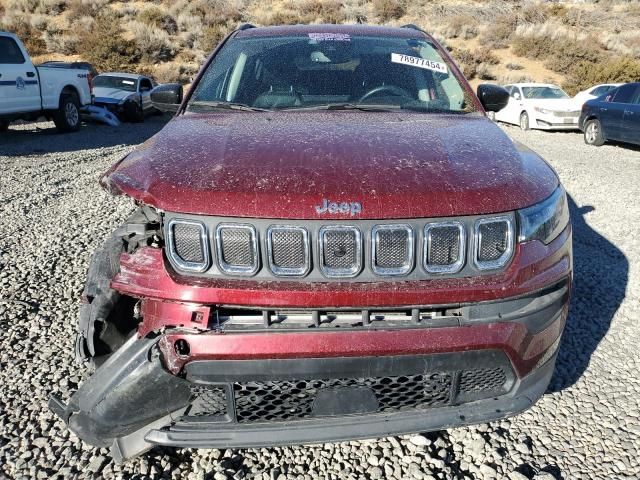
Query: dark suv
(332, 241)
(612, 116)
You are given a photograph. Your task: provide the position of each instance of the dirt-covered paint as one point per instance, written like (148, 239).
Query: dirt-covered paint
(285, 164)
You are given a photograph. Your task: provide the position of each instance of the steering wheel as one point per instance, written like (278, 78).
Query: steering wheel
(385, 88)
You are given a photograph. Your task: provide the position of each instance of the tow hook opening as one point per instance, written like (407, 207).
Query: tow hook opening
(182, 348)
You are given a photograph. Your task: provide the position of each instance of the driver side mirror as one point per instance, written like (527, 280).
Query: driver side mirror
(493, 97)
(167, 97)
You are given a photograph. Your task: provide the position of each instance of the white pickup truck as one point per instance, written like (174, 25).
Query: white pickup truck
(28, 92)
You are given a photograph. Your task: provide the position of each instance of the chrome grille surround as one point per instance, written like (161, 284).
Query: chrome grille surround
(440, 268)
(351, 269)
(189, 266)
(238, 268)
(272, 254)
(498, 262)
(315, 272)
(377, 250)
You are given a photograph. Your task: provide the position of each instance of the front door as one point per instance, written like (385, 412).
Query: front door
(511, 113)
(612, 112)
(19, 89)
(631, 120)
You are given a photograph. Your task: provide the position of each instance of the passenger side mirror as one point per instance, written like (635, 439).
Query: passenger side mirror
(493, 97)
(516, 95)
(167, 97)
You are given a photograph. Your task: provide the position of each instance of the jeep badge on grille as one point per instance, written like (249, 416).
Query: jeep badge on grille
(343, 207)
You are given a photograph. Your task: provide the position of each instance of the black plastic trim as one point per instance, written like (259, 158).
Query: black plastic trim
(349, 427)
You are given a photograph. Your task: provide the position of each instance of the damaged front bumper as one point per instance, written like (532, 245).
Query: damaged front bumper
(211, 389)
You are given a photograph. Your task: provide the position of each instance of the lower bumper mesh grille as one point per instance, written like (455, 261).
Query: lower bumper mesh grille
(289, 400)
(293, 400)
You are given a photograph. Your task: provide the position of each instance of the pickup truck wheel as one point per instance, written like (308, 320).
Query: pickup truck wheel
(4, 126)
(138, 114)
(67, 117)
(593, 133)
(133, 112)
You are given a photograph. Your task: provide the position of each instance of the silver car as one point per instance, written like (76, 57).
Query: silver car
(127, 95)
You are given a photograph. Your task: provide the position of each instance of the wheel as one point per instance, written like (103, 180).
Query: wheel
(524, 121)
(4, 126)
(67, 117)
(133, 112)
(593, 133)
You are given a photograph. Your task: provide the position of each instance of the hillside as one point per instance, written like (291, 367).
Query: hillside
(574, 43)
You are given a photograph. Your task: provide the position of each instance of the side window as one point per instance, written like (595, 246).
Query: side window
(145, 85)
(10, 53)
(599, 91)
(625, 93)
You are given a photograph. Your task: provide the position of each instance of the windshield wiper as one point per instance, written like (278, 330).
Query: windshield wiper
(349, 106)
(228, 106)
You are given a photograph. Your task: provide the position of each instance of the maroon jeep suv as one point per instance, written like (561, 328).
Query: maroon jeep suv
(332, 241)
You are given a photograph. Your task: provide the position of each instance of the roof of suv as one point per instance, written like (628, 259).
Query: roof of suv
(373, 30)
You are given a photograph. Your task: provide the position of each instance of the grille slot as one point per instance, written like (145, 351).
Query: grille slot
(188, 246)
(293, 400)
(340, 251)
(482, 380)
(494, 242)
(209, 401)
(392, 249)
(237, 249)
(288, 250)
(444, 247)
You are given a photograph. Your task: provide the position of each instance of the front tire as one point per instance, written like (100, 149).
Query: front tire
(593, 133)
(134, 112)
(524, 121)
(67, 117)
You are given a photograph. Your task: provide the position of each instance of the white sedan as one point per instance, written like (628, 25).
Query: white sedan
(594, 92)
(539, 105)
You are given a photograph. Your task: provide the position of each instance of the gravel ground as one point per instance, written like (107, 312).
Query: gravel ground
(53, 216)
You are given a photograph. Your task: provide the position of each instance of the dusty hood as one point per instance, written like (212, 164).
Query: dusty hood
(284, 165)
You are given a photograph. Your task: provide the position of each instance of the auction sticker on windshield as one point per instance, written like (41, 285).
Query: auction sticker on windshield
(324, 36)
(418, 62)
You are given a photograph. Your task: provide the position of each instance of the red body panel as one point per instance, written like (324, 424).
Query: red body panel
(523, 348)
(173, 301)
(146, 274)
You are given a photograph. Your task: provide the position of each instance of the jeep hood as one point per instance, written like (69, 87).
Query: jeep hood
(284, 164)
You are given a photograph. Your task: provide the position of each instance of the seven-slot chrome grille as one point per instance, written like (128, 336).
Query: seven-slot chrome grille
(363, 250)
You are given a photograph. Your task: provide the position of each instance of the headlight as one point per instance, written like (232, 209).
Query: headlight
(544, 111)
(544, 221)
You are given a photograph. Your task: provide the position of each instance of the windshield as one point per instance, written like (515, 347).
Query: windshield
(543, 92)
(121, 83)
(328, 70)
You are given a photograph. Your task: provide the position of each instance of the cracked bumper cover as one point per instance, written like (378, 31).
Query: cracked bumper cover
(137, 398)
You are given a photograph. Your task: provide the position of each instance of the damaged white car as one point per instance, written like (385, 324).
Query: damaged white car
(126, 95)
